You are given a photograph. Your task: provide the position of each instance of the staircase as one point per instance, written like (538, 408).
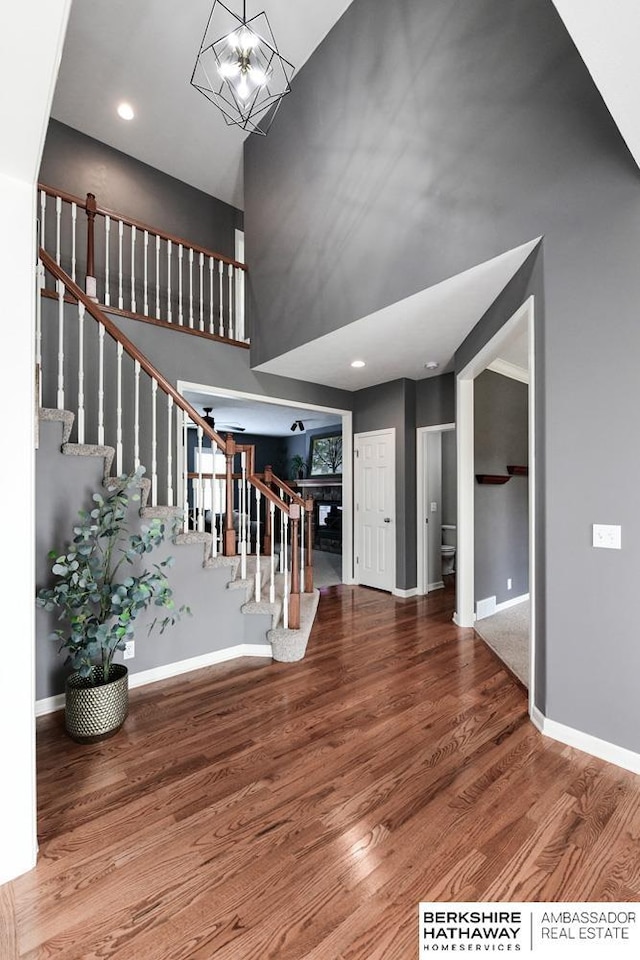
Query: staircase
(135, 415)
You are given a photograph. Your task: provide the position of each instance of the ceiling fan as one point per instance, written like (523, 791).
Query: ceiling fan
(221, 427)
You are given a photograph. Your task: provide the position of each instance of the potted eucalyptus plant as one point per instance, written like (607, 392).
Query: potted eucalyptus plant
(99, 592)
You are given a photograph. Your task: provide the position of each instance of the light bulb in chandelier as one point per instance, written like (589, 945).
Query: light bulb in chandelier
(240, 69)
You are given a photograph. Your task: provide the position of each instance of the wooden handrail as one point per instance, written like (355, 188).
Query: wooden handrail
(141, 225)
(130, 348)
(285, 488)
(229, 447)
(269, 494)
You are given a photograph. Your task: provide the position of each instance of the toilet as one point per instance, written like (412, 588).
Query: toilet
(448, 548)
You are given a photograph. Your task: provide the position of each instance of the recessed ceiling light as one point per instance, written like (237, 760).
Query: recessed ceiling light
(125, 111)
(432, 365)
(358, 363)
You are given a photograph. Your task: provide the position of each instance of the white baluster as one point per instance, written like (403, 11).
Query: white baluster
(258, 572)
(107, 281)
(185, 474)
(101, 385)
(214, 526)
(272, 572)
(120, 235)
(74, 219)
(284, 553)
(231, 330)
(201, 291)
(146, 273)
(58, 221)
(133, 269)
(211, 329)
(220, 298)
(43, 218)
(190, 287)
(180, 258)
(61, 292)
(243, 515)
(119, 411)
(136, 414)
(240, 332)
(200, 497)
(169, 451)
(212, 500)
(80, 372)
(157, 277)
(154, 444)
(302, 525)
(169, 312)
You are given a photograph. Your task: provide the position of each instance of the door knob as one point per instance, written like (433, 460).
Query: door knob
(387, 519)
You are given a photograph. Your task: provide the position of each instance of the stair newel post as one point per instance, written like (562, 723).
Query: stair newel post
(294, 597)
(243, 508)
(90, 283)
(268, 528)
(270, 514)
(229, 532)
(308, 570)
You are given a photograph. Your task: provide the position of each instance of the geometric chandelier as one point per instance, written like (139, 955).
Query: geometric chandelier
(240, 70)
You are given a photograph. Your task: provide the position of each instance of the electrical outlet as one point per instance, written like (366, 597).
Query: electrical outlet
(129, 650)
(607, 536)
(509, 583)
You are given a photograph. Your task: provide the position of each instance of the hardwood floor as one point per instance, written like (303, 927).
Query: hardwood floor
(262, 810)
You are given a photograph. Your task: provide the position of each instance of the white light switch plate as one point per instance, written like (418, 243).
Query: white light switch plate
(434, 506)
(129, 650)
(607, 536)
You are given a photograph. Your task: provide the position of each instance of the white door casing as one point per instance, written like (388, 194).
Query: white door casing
(375, 508)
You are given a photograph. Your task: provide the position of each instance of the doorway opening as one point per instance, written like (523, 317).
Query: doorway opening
(496, 357)
(297, 456)
(437, 506)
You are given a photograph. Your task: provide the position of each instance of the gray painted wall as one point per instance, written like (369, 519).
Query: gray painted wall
(436, 400)
(64, 485)
(501, 512)
(78, 164)
(478, 129)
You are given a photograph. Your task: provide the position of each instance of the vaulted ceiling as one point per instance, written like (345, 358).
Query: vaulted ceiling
(144, 53)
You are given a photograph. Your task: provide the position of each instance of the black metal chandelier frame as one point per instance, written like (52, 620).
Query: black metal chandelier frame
(253, 50)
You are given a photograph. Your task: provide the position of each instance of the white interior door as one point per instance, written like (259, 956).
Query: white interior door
(375, 515)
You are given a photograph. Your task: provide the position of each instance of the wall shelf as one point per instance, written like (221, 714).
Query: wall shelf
(492, 478)
(517, 471)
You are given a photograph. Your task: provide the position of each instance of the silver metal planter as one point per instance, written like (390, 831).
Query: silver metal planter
(93, 712)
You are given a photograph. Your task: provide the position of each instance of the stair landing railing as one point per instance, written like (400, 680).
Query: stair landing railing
(131, 267)
(144, 417)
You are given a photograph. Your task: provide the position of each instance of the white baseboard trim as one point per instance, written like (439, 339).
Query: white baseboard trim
(49, 705)
(411, 592)
(456, 620)
(439, 585)
(168, 670)
(602, 749)
(511, 603)
(485, 608)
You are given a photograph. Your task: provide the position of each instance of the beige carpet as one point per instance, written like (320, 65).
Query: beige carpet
(327, 568)
(507, 633)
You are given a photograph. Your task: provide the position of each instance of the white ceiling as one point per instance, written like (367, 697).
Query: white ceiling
(428, 326)
(259, 417)
(144, 52)
(607, 34)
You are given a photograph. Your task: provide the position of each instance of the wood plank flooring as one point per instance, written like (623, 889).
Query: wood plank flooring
(262, 810)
